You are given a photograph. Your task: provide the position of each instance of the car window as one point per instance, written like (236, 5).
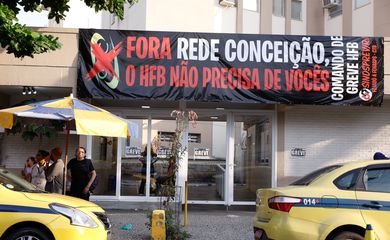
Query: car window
(309, 178)
(377, 180)
(347, 181)
(15, 183)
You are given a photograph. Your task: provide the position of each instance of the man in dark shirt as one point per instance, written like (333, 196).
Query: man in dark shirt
(82, 174)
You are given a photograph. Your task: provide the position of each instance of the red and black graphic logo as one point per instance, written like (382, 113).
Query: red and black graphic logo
(105, 62)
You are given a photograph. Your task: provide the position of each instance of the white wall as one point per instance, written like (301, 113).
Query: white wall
(134, 18)
(251, 22)
(189, 15)
(278, 25)
(299, 27)
(333, 26)
(363, 20)
(333, 134)
(15, 150)
(79, 16)
(167, 15)
(219, 140)
(224, 19)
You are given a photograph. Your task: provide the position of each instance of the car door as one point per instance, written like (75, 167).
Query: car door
(374, 198)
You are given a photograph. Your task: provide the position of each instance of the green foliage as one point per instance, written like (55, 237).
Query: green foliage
(174, 231)
(148, 224)
(21, 41)
(30, 131)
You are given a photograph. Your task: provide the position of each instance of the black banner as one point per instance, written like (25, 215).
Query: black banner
(246, 68)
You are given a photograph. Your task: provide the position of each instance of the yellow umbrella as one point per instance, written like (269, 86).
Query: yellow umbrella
(89, 119)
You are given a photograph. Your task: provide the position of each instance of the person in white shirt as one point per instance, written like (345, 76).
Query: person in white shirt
(55, 172)
(26, 172)
(38, 177)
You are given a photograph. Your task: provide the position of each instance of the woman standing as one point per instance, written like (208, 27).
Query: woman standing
(82, 174)
(38, 177)
(26, 172)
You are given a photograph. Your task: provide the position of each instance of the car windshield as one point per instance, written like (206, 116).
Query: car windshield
(309, 178)
(15, 183)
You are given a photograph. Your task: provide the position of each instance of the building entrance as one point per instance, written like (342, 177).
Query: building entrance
(226, 157)
(207, 159)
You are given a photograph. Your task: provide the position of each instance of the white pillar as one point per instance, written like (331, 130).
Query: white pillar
(183, 164)
(148, 156)
(229, 181)
(86, 142)
(118, 166)
(274, 121)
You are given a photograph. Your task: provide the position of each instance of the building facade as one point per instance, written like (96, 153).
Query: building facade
(234, 148)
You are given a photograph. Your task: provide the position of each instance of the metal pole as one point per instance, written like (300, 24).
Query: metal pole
(66, 156)
(185, 203)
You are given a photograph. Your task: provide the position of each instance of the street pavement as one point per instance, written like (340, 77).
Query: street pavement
(202, 225)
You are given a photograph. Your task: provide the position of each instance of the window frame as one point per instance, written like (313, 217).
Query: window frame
(300, 12)
(283, 9)
(355, 179)
(168, 137)
(362, 5)
(314, 175)
(373, 167)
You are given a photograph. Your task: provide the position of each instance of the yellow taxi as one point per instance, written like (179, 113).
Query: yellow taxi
(333, 203)
(28, 213)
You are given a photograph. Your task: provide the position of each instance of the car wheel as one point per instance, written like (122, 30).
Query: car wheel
(348, 236)
(28, 233)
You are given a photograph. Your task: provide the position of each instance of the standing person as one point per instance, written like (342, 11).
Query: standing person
(55, 172)
(26, 172)
(83, 174)
(170, 174)
(38, 177)
(142, 159)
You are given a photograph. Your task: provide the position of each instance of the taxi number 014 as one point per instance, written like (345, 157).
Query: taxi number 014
(309, 201)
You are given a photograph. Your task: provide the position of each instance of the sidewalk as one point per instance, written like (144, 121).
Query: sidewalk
(202, 225)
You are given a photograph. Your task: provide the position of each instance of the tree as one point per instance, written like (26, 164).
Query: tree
(22, 41)
(174, 230)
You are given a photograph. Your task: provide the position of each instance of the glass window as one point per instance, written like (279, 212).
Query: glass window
(133, 168)
(168, 137)
(306, 180)
(103, 156)
(377, 180)
(207, 161)
(336, 10)
(296, 9)
(252, 156)
(278, 8)
(347, 181)
(361, 3)
(15, 183)
(251, 5)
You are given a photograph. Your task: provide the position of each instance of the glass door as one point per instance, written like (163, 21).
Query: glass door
(104, 160)
(252, 156)
(207, 158)
(134, 161)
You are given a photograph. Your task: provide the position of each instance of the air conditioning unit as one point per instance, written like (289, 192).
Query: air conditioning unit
(227, 3)
(330, 3)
